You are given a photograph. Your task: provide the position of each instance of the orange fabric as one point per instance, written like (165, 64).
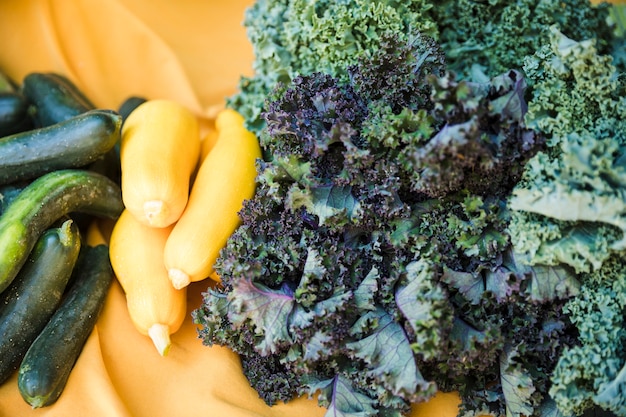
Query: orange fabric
(192, 51)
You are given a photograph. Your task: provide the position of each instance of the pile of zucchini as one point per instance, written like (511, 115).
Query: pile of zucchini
(59, 168)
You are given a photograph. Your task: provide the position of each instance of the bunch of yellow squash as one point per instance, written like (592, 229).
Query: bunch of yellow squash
(182, 194)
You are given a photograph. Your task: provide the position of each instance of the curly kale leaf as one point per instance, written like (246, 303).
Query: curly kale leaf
(340, 399)
(540, 283)
(481, 139)
(517, 385)
(486, 38)
(569, 206)
(508, 305)
(267, 309)
(591, 372)
(576, 90)
(382, 343)
(299, 37)
(424, 304)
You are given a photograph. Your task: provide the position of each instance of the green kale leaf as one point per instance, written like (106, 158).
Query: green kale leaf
(486, 38)
(569, 206)
(591, 372)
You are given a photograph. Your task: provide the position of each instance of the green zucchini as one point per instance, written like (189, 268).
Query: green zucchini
(14, 117)
(32, 298)
(47, 365)
(73, 143)
(130, 104)
(54, 98)
(43, 202)
(109, 165)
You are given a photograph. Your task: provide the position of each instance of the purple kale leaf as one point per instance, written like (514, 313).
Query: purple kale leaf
(267, 310)
(383, 345)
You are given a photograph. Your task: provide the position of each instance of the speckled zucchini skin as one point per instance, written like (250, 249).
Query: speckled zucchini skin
(36, 292)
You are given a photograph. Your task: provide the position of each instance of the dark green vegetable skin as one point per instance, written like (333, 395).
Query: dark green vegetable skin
(47, 365)
(43, 202)
(72, 143)
(30, 301)
(53, 98)
(129, 105)
(14, 117)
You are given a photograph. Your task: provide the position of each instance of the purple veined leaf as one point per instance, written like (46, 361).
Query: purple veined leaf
(471, 285)
(266, 309)
(552, 282)
(426, 307)
(341, 399)
(510, 103)
(502, 283)
(388, 355)
(364, 294)
(517, 384)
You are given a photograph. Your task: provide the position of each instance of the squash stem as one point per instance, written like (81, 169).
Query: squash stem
(160, 335)
(155, 212)
(180, 279)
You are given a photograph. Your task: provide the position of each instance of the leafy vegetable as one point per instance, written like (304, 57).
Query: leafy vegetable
(297, 37)
(569, 208)
(592, 372)
(439, 207)
(373, 265)
(480, 39)
(499, 34)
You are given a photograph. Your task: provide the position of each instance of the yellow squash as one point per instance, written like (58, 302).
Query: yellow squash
(226, 177)
(155, 307)
(208, 141)
(159, 151)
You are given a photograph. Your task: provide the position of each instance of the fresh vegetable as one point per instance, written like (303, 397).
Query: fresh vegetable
(591, 373)
(159, 152)
(155, 307)
(231, 153)
(31, 299)
(208, 141)
(43, 202)
(568, 209)
(9, 192)
(373, 262)
(45, 368)
(224, 180)
(73, 143)
(129, 105)
(301, 37)
(500, 34)
(54, 98)
(14, 117)
(481, 39)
